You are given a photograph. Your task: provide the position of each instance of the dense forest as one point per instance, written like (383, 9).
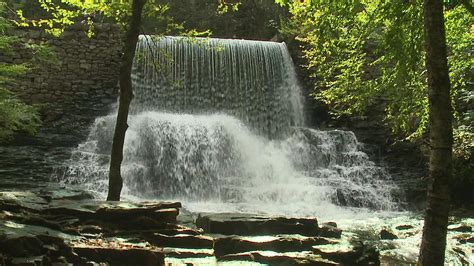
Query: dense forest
(245, 104)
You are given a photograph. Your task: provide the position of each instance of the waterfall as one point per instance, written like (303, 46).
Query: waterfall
(252, 80)
(220, 122)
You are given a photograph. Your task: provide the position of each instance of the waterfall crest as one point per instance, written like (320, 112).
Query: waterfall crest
(251, 80)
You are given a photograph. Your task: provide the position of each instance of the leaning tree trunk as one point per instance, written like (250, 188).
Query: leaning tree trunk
(441, 137)
(126, 95)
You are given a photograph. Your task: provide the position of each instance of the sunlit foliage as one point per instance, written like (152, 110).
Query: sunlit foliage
(14, 114)
(363, 52)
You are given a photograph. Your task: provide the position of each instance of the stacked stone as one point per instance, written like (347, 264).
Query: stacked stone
(83, 78)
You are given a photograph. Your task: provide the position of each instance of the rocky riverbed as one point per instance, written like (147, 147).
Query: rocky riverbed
(60, 226)
(43, 222)
(45, 227)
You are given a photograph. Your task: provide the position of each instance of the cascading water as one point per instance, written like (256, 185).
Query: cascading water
(237, 94)
(254, 81)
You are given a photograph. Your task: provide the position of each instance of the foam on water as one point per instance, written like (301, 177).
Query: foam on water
(214, 162)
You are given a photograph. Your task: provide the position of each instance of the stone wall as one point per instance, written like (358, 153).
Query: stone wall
(84, 81)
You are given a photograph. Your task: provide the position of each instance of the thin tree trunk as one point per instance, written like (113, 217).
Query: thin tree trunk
(126, 95)
(433, 244)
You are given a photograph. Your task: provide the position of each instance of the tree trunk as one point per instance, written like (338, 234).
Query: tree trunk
(126, 95)
(433, 244)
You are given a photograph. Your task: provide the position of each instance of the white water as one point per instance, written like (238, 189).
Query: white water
(215, 163)
(254, 81)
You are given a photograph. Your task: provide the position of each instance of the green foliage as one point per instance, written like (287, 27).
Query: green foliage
(365, 51)
(460, 38)
(256, 19)
(14, 114)
(55, 16)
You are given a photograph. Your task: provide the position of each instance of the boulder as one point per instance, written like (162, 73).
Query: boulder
(387, 235)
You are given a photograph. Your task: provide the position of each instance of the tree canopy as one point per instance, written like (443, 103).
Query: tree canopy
(361, 52)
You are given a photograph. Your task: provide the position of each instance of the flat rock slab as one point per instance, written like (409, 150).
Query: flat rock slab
(231, 245)
(169, 230)
(251, 225)
(180, 241)
(17, 201)
(124, 213)
(273, 258)
(118, 215)
(187, 253)
(116, 256)
(108, 209)
(46, 227)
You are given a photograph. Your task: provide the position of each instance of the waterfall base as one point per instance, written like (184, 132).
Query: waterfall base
(215, 160)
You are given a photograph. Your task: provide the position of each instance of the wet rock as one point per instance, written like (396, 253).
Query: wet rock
(169, 230)
(117, 215)
(34, 219)
(158, 220)
(33, 261)
(349, 254)
(65, 194)
(187, 253)
(248, 224)
(21, 246)
(16, 201)
(180, 241)
(117, 256)
(333, 224)
(232, 245)
(404, 227)
(70, 209)
(330, 230)
(460, 228)
(180, 230)
(464, 238)
(89, 229)
(159, 210)
(387, 235)
(39, 250)
(272, 258)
